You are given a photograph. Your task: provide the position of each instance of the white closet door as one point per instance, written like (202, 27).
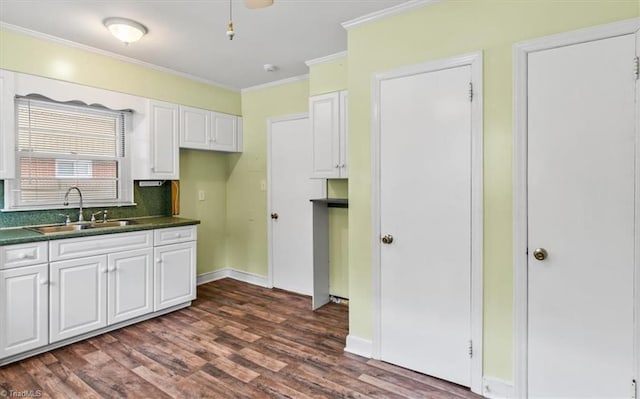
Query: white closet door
(581, 188)
(291, 188)
(425, 157)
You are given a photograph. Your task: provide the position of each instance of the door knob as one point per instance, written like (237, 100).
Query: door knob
(274, 216)
(540, 254)
(387, 239)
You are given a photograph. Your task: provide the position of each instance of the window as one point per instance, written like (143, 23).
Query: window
(59, 145)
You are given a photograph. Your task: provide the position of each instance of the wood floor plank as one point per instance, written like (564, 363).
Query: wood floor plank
(235, 341)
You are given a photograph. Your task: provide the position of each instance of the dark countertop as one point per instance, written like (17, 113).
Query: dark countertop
(333, 202)
(20, 235)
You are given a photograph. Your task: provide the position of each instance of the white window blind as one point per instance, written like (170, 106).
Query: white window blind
(62, 145)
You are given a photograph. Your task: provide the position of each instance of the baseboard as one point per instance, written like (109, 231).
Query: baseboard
(496, 388)
(359, 346)
(212, 276)
(239, 275)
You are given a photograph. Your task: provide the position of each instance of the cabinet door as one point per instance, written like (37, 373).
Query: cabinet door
(195, 128)
(7, 125)
(130, 285)
(325, 129)
(225, 132)
(23, 309)
(175, 274)
(77, 297)
(163, 130)
(344, 134)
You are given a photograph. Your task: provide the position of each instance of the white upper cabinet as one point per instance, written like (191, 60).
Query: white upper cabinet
(163, 134)
(201, 129)
(195, 128)
(155, 142)
(328, 116)
(224, 129)
(7, 125)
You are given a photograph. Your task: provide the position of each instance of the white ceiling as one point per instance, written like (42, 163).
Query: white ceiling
(188, 36)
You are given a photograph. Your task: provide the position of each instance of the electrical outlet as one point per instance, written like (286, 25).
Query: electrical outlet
(201, 195)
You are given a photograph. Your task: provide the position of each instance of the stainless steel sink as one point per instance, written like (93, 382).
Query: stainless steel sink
(68, 228)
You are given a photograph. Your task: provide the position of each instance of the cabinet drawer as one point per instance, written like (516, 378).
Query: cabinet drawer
(23, 254)
(174, 235)
(97, 245)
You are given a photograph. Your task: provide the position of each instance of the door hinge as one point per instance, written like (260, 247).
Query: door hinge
(636, 67)
(470, 91)
(634, 390)
(471, 349)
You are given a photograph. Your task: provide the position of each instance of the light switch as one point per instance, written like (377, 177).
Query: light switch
(201, 195)
(263, 185)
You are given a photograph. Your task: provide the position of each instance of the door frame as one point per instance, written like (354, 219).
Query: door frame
(475, 61)
(270, 122)
(520, 212)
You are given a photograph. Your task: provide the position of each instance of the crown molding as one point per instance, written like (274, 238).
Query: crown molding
(387, 12)
(275, 83)
(326, 58)
(84, 47)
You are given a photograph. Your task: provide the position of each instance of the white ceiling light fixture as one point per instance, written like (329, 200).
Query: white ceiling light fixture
(257, 3)
(125, 30)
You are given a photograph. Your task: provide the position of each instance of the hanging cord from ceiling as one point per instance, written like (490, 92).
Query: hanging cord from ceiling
(230, 31)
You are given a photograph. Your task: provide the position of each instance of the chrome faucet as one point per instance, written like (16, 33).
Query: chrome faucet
(66, 201)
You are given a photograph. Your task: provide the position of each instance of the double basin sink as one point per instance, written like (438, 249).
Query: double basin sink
(81, 226)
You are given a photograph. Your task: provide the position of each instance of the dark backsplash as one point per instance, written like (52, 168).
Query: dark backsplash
(151, 201)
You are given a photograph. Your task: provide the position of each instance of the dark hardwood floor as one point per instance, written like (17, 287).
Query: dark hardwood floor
(236, 341)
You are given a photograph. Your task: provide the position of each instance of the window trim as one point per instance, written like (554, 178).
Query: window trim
(125, 181)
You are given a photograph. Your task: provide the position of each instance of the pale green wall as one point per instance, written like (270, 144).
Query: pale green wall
(34, 56)
(206, 171)
(442, 30)
(338, 240)
(246, 202)
(328, 76)
(199, 170)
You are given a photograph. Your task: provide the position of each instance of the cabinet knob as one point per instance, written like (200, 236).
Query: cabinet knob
(26, 256)
(112, 269)
(44, 281)
(158, 260)
(178, 235)
(337, 166)
(274, 216)
(103, 270)
(387, 239)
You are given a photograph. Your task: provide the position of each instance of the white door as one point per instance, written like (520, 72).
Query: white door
(24, 304)
(425, 203)
(175, 274)
(581, 210)
(78, 293)
(290, 189)
(130, 285)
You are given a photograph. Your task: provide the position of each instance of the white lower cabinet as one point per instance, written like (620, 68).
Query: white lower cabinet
(93, 292)
(90, 283)
(78, 292)
(175, 274)
(129, 285)
(24, 309)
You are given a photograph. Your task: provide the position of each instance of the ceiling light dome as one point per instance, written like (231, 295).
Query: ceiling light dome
(125, 30)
